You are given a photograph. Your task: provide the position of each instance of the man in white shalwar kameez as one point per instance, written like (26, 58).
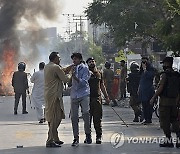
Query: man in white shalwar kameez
(38, 92)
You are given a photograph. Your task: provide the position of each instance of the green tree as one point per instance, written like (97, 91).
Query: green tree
(96, 52)
(156, 20)
(66, 48)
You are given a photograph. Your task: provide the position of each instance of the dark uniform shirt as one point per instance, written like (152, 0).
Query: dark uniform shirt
(20, 82)
(95, 83)
(165, 100)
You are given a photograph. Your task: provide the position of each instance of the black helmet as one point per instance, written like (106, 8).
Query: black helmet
(107, 64)
(21, 66)
(134, 67)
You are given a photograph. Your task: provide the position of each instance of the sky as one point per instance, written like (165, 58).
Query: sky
(70, 7)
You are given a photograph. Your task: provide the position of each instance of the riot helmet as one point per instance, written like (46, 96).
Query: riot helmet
(21, 66)
(107, 65)
(134, 67)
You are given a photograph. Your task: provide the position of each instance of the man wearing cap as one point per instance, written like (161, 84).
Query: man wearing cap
(169, 92)
(96, 84)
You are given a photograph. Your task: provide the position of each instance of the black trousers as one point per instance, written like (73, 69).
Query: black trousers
(96, 114)
(17, 98)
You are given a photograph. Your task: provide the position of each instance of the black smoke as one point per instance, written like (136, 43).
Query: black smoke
(12, 12)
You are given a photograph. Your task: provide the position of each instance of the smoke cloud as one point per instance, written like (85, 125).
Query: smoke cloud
(14, 12)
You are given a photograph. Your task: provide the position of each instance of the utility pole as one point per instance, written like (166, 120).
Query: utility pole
(76, 34)
(68, 24)
(80, 18)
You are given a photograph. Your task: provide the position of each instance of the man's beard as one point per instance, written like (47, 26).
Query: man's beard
(91, 67)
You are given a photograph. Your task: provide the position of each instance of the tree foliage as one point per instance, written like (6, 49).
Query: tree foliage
(96, 52)
(157, 20)
(66, 48)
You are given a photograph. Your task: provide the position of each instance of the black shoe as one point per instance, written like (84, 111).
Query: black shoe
(75, 143)
(25, 112)
(136, 120)
(147, 122)
(88, 139)
(105, 103)
(59, 142)
(98, 140)
(52, 145)
(166, 144)
(15, 112)
(41, 121)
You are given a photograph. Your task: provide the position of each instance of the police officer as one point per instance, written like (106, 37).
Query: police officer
(96, 86)
(20, 85)
(132, 87)
(168, 90)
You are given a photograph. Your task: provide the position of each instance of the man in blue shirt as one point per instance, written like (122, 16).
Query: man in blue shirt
(80, 97)
(146, 89)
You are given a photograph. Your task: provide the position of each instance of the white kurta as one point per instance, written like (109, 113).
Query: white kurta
(38, 93)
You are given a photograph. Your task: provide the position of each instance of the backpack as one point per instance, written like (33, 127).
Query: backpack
(172, 84)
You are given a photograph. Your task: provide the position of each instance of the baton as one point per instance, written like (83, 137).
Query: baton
(30, 101)
(119, 116)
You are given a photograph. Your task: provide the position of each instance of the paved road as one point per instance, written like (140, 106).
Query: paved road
(25, 130)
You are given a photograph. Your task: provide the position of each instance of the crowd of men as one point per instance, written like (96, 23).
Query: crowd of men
(88, 84)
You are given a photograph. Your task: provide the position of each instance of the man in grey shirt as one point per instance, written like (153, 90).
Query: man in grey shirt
(80, 97)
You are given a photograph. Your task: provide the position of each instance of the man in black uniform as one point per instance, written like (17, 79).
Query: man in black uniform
(169, 92)
(20, 85)
(96, 86)
(132, 87)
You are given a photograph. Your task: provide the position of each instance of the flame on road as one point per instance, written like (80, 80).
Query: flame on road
(8, 58)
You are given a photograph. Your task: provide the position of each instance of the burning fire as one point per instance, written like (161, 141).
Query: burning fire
(8, 59)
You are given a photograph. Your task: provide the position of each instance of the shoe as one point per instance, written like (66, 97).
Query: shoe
(59, 142)
(15, 112)
(166, 144)
(147, 122)
(75, 143)
(52, 145)
(105, 103)
(41, 121)
(25, 112)
(98, 140)
(136, 120)
(88, 139)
